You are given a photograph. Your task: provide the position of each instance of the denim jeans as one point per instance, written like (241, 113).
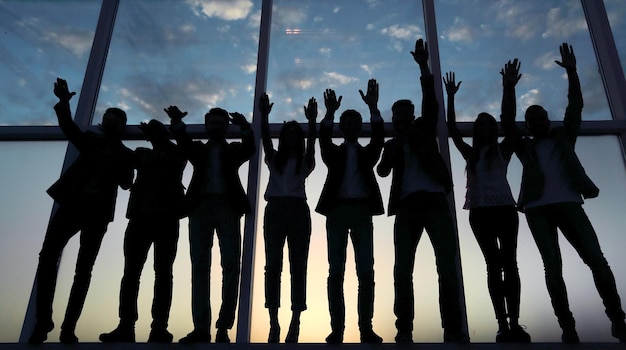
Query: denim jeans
(495, 229)
(287, 219)
(210, 216)
(350, 220)
(415, 213)
(141, 233)
(572, 221)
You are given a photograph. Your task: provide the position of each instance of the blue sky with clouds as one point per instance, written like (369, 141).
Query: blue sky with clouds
(200, 54)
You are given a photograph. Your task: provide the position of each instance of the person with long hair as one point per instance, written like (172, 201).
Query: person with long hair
(287, 215)
(492, 211)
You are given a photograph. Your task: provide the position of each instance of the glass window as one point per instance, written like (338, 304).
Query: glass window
(193, 54)
(605, 213)
(29, 168)
(476, 40)
(317, 45)
(616, 12)
(41, 41)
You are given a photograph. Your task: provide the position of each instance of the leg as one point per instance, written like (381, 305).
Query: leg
(337, 238)
(165, 246)
(274, 239)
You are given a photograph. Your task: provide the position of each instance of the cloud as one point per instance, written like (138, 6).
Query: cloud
(546, 61)
(403, 33)
(563, 23)
(532, 97)
(249, 68)
(334, 79)
(285, 16)
(227, 10)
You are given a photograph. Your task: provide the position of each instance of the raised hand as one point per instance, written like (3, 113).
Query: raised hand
(264, 104)
(568, 59)
(510, 73)
(62, 91)
(238, 119)
(420, 55)
(449, 82)
(331, 101)
(310, 111)
(371, 98)
(174, 113)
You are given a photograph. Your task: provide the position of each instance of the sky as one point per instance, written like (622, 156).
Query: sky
(200, 54)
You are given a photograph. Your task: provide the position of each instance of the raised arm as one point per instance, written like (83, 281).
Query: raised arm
(247, 136)
(377, 138)
(573, 112)
(265, 108)
(178, 128)
(430, 107)
(332, 104)
(64, 113)
(510, 77)
(451, 89)
(310, 112)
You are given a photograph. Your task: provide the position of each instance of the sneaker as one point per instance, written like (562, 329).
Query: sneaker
(503, 335)
(68, 337)
(368, 336)
(119, 335)
(160, 335)
(517, 334)
(40, 333)
(404, 338)
(274, 336)
(222, 336)
(570, 336)
(618, 330)
(196, 336)
(458, 338)
(335, 337)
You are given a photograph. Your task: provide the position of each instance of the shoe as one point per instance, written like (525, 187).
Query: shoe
(293, 333)
(160, 335)
(40, 333)
(335, 337)
(404, 338)
(274, 336)
(68, 337)
(570, 336)
(196, 336)
(517, 334)
(503, 335)
(618, 330)
(222, 336)
(119, 335)
(458, 338)
(368, 336)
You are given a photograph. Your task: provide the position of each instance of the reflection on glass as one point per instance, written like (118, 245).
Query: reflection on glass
(317, 45)
(193, 54)
(29, 168)
(476, 42)
(605, 213)
(616, 11)
(40, 41)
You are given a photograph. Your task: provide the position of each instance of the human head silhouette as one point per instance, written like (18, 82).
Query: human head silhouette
(485, 129)
(113, 122)
(403, 115)
(537, 121)
(350, 124)
(216, 123)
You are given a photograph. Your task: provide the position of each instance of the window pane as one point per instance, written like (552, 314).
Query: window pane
(606, 215)
(29, 168)
(317, 45)
(38, 45)
(616, 12)
(193, 54)
(477, 39)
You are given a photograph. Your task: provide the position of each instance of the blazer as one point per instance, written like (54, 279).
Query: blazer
(423, 142)
(232, 156)
(91, 181)
(334, 157)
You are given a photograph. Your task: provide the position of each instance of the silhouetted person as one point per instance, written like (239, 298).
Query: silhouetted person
(155, 206)
(85, 195)
(217, 201)
(492, 211)
(287, 215)
(418, 200)
(553, 186)
(349, 199)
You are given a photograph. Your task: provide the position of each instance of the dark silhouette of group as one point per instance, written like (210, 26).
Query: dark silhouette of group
(553, 186)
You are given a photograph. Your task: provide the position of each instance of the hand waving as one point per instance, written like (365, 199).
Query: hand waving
(310, 111)
(238, 119)
(568, 59)
(420, 55)
(371, 98)
(62, 91)
(510, 73)
(174, 113)
(331, 101)
(449, 82)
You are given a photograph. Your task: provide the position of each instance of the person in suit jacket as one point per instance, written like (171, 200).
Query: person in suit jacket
(85, 195)
(217, 201)
(155, 207)
(349, 199)
(418, 199)
(553, 186)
